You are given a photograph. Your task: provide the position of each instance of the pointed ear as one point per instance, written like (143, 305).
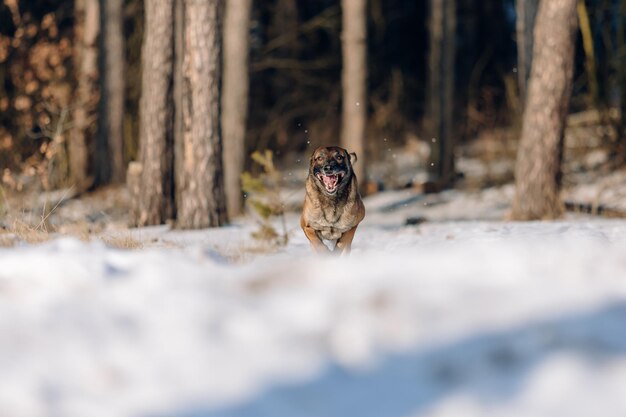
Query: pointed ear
(352, 157)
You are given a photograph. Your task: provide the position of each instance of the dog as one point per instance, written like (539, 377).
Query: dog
(333, 207)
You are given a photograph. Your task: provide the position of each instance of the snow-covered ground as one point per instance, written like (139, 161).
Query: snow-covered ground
(453, 317)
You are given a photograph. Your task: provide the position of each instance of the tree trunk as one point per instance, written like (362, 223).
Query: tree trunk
(440, 92)
(586, 31)
(153, 203)
(621, 74)
(179, 91)
(202, 199)
(525, 22)
(235, 99)
(84, 111)
(354, 81)
(109, 158)
(538, 168)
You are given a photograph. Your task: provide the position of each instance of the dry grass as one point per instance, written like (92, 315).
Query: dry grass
(29, 233)
(26, 228)
(32, 225)
(8, 240)
(20, 231)
(33, 217)
(124, 241)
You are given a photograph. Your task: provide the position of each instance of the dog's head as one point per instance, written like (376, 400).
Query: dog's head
(331, 168)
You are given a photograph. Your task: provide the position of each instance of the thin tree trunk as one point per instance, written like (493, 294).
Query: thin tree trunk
(154, 198)
(440, 93)
(109, 158)
(235, 98)
(86, 101)
(354, 81)
(526, 13)
(202, 199)
(590, 55)
(538, 168)
(621, 73)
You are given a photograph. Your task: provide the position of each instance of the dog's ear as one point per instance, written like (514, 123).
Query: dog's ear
(352, 157)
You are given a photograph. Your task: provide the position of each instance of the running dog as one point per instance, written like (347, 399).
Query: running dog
(332, 206)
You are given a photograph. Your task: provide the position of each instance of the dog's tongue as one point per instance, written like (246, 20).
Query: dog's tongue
(329, 180)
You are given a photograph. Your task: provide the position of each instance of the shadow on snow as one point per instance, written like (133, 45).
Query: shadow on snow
(490, 366)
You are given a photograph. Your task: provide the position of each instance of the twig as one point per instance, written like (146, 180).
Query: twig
(43, 219)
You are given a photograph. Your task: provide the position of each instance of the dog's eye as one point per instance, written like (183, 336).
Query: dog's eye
(319, 158)
(339, 158)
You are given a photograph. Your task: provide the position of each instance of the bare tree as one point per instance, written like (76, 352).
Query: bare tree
(621, 69)
(84, 110)
(235, 98)
(151, 179)
(201, 201)
(109, 157)
(540, 152)
(354, 80)
(526, 11)
(440, 91)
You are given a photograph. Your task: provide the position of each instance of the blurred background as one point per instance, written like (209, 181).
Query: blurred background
(414, 87)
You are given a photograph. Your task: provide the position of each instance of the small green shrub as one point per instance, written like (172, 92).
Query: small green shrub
(263, 199)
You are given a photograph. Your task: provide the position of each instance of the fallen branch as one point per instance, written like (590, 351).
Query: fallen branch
(595, 209)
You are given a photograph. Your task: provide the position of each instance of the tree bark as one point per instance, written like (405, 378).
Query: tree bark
(621, 72)
(235, 99)
(179, 91)
(440, 91)
(526, 11)
(354, 81)
(109, 158)
(202, 199)
(153, 203)
(84, 110)
(540, 152)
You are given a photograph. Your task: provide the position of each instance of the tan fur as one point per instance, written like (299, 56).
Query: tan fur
(331, 217)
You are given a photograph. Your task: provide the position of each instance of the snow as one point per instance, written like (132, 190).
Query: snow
(454, 317)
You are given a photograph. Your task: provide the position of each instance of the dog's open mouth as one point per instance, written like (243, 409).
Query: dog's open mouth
(331, 181)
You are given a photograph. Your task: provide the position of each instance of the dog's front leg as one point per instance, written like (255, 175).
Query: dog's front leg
(317, 245)
(344, 244)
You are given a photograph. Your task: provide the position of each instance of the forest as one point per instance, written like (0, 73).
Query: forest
(102, 93)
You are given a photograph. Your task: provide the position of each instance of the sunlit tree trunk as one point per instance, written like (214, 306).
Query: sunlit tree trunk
(440, 91)
(154, 193)
(179, 91)
(235, 98)
(540, 152)
(109, 157)
(526, 11)
(201, 200)
(354, 81)
(84, 110)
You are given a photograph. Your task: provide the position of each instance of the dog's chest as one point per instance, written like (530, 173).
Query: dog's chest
(331, 224)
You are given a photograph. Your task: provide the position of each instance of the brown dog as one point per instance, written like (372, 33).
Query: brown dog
(332, 207)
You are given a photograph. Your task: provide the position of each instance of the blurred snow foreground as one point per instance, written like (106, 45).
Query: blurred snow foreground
(444, 319)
